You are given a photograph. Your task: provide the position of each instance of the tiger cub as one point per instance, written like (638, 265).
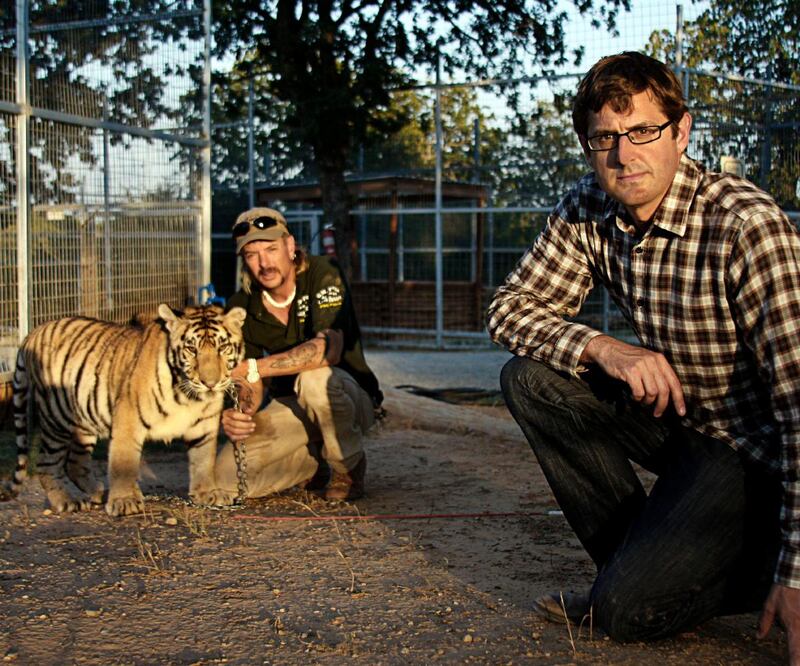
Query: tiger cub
(91, 379)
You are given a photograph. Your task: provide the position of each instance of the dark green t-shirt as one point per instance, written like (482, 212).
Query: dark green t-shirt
(322, 301)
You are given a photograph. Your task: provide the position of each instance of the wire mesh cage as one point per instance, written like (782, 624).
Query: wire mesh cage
(101, 162)
(514, 141)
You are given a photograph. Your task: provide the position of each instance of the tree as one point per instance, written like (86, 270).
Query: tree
(756, 123)
(334, 61)
(79, 35)
(766, 35)
(272, 135)
(541, 158)
(410, 148)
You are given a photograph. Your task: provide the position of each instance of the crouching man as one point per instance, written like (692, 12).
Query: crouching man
(704, 267)
(303, 341)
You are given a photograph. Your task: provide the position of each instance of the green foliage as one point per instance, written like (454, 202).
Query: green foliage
(277, 145)
(542, 157)
(757, 39)
(410, 146)
(766, 35)
(333, 63)
(66, 41)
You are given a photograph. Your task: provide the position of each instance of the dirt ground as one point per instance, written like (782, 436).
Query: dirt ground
(438, 564)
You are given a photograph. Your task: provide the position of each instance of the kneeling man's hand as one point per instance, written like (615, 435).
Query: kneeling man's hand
(648, 374)
(785, 603)
(237, 425)
(249, 395)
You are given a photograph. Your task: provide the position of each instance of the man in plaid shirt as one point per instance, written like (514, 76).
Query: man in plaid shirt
(704, 266)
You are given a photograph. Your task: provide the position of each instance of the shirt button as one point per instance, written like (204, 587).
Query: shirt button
(639, 302)
(638, 249)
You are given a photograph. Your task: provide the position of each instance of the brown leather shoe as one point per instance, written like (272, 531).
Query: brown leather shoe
(349, 486)
(562, 607)
(320, 479)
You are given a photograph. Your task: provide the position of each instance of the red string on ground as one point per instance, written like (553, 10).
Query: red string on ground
(398, 516)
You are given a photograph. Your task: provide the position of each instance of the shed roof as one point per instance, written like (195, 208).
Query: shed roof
(404, 187)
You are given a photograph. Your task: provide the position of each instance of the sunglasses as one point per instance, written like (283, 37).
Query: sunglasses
(262, 223)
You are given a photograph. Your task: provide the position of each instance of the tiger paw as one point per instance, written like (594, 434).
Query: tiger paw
(124, 506)
(214, 497)
(62, 502)
(70, 505)
(96, 498)
(96, 493)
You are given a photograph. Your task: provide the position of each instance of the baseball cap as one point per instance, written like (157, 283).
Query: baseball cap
(258, 224)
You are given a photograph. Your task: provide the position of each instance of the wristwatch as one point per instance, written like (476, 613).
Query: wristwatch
(252, 371)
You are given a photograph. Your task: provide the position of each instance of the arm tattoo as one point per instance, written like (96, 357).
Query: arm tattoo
(299, 356)
(246, 397)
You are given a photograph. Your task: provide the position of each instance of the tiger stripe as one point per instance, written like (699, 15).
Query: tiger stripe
(90, 379)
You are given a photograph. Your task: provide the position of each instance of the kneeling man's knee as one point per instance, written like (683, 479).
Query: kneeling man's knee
(523, 378)
(315, 385)
(629, 616)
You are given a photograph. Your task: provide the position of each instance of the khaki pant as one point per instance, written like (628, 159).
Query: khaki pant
(327, 418)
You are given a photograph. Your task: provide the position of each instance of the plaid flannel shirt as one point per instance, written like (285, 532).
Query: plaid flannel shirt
(713, 284)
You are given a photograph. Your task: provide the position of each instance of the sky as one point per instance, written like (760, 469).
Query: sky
(634, 27)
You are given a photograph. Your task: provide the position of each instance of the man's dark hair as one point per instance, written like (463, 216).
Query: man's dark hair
(613, 80)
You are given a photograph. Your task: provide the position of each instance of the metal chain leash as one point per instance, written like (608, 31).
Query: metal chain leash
(240, 456)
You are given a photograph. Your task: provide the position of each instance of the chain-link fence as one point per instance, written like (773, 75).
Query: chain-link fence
(505, 154)
(104, 195)
(525, 161)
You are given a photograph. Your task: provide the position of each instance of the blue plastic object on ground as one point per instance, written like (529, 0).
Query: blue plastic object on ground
(206, 295)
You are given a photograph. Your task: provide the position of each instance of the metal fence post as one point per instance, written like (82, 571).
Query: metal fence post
(251, 169)
(476, 178)
(401, 255)
(362, 246)
(23, 184)
(679, 51)
(315, 244)
(438, 213)
(490, 241)
(205, 221)
(109, 286)
(766, 145)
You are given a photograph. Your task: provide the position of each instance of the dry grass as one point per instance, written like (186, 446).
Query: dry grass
(196, 521)
(150, 556)
(568, 623)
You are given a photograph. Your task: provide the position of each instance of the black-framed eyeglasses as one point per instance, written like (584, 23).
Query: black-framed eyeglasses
(262, 223)
(637, 135)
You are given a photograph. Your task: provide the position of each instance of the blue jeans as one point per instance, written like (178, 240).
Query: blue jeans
(703, 543)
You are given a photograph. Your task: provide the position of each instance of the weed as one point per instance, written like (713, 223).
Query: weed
(350, 569)
(150, 555)
(569, 624)
(195, 520)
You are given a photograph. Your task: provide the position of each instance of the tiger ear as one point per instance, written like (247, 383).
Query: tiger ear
(235, 317)
(169, 317)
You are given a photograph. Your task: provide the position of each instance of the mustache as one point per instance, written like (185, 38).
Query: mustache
(267, 272)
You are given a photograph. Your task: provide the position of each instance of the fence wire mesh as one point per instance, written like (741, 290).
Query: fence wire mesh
(754, 123)
(94, 61)
(8, 245)
(112, 175)
(508, 153)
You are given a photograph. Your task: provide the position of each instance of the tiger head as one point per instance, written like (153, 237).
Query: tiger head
(205, 344)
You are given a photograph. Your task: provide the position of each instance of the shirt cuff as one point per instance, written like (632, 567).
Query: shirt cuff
(788, 571)
(568, 348)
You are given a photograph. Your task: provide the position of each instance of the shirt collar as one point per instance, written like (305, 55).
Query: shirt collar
(672, 214)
